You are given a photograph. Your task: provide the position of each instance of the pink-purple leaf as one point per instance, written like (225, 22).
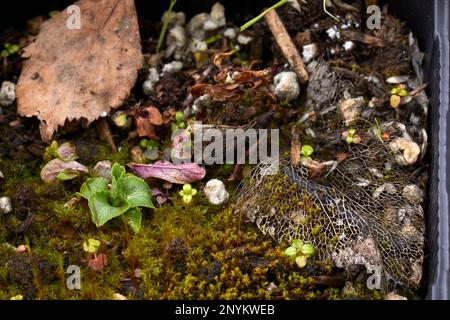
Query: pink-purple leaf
(170, 172)
(54, 168)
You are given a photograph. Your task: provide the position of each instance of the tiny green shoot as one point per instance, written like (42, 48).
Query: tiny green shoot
(251, 22)
(378, 131)
(165, 25)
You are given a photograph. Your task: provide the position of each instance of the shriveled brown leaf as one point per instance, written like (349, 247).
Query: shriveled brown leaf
(232, 82)
(75, 74)
(153, 115)
(145, 129)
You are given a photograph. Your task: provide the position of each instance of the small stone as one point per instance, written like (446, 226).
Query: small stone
(348, 45)
(197, 45)
(7, 93)
(406, 151)
(176, 42)
(285, 86)
(215, 192)
(397, 79)
(148, 87)
(333, 33)
(177, 18)
(5, 205)
(103, 169)
(310, 51)
(230, 33)
(118, 296)
(172, 67)
(413, 194)
(153, 75)
(196, 26)
(243, 39)
(351, 109)
(218, 14)
(394, 296)
(210, 25)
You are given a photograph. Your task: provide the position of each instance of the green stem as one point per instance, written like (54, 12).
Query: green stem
(262, 14)
(327, 12)
(165, 25)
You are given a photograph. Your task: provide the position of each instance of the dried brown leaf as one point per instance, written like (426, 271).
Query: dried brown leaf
(75, 74)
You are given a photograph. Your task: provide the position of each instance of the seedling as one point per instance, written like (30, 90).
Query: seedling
(351, 136)
(179, 121)
(187, 193)
(306, 151)
(300, 251)
(378, 131)
(10, 49)
(91, 246)
(165, 25)
(396, 96)
(276, 5)
(123, 197)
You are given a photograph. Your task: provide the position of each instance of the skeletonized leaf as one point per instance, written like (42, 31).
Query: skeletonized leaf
(81, 73)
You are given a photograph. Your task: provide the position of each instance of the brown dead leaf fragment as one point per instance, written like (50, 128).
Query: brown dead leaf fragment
(81, 73)
(232, 82)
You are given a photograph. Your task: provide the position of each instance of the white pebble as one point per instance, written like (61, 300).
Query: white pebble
(397, 79)
(285, 86)
(5, 205)
(197, 45)
(215, 192)
(152, 79)
(210, 25)
(310, 51)
(230, 33)
(333, 33)
(243, 39)
(349, 45)
(7, 93)
(174, 66)
(218, 14)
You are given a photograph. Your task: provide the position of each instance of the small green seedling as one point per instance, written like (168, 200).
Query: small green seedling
(165, 25)
(351, 136)
(10, 49)
(91, 246)
(123, 197)
(276, 5)
(306, 151)
(399, 92)
(179, 121)
(149, 144)
(187, 193)
(378, 131)
(300, 251)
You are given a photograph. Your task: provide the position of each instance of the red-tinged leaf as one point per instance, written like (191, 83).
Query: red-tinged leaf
(53, 168)
(99, 262)
(167, 171)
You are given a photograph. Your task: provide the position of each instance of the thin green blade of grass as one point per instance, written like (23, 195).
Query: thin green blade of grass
(165, 25)
(262, 14)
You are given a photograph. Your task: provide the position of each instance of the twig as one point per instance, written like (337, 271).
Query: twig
(288, 48)
(105, 133)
